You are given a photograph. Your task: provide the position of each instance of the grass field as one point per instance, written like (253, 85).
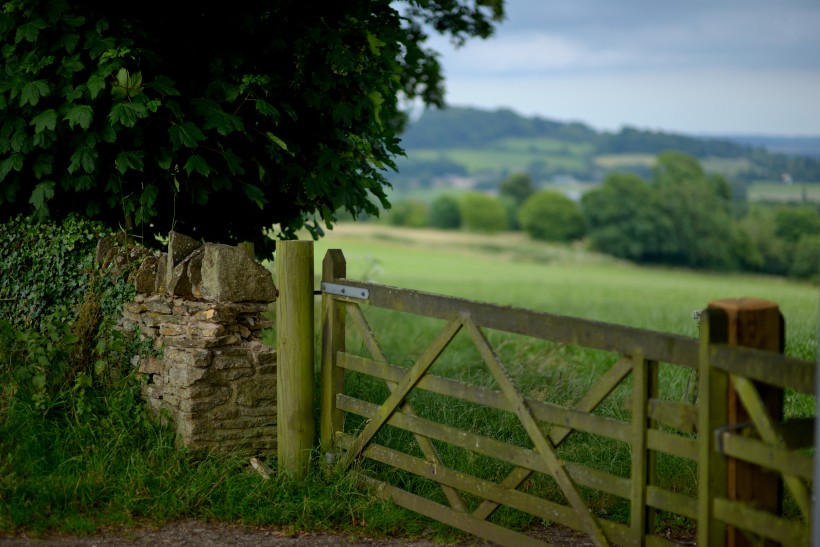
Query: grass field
(512, 269)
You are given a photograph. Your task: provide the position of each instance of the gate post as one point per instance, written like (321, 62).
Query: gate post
(333, 341)
(294, 356)
(758, 324)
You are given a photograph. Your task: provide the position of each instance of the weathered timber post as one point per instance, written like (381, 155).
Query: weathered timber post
(294, 354)
(758, 324)
(333, 341)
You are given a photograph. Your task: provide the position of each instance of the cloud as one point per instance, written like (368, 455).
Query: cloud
(700, 65)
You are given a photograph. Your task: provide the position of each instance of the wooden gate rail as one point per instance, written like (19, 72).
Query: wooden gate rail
(647, 433)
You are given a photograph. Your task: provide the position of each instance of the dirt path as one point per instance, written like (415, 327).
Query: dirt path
(192, 533)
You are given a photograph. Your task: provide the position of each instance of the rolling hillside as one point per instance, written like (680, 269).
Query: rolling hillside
(478, 148)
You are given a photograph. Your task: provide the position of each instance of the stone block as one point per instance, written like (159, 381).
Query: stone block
(229, 274)
(145, 277)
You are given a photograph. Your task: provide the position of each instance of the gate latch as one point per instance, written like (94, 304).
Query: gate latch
(345, 290)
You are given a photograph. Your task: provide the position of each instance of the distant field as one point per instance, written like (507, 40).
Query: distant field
(614, 161)
(511, 269)
(777, 191)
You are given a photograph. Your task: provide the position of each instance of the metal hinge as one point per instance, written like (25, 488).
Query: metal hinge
(345, 290)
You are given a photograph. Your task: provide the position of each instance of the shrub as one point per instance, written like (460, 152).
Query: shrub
(445, 214)
(806, 257)
(551, 216)
(409, 212)
(482, 213)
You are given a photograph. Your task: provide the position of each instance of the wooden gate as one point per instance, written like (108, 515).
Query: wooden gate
(656, 425)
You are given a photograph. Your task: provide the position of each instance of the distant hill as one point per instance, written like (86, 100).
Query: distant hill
(475, 142)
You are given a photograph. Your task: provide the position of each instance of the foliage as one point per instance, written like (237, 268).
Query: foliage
(682, 217)
(482, 213)
(409, 212)
(272, 116)
(793, 223)
(45, 265)
(622, 218)
(551, 216)
(444, 213)
(806, 257)
(518, 187)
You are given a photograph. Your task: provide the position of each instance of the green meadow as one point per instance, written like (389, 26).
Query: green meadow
(510, 269)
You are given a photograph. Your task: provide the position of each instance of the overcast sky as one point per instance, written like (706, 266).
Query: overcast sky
(692, 66)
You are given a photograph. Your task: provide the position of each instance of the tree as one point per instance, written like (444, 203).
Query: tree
(219, 121)
(624, 219)
(551, 216)
(482, 213)
(444, 213)
(518, 187)
(409, 212)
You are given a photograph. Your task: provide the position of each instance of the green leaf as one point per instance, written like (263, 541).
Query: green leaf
(185, 134)
(198, 164)
(266, 109)
(223, 122)
(29, 31)
(129, 159)
(79, 115)
(127, 84)
(375, 44)
(42, 193)
(164, 159)
(14, 162)
(276, 140)
(95, 84)
(43, 165)
(72, 64)
(127, 113)
(256, 195)
(32, 91)
(164, 86)
(46, 119)
(84, 157)
(234, 162)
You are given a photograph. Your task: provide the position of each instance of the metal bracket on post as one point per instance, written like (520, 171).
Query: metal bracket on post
(345, 290)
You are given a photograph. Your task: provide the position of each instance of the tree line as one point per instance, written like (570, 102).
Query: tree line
(679, 216)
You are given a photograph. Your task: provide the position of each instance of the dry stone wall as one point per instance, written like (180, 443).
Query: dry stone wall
(205, 305)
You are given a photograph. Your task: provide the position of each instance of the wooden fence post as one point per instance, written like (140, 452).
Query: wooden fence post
(294, 356)
(758, 324)
(333, 341)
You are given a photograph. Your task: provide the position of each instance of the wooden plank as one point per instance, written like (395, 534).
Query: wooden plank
(486, 489)
(677, 414)
(547, 412)
(294, 357)
(411, 378)
(672, 502)
(713, 387)
(763, 423)
(441, 513)
(762, 523)
(668, 348)
(669, 443)
(331, 419)
(766, 366)
(522, 457)
(766, 455)
(424, 443)
(640, 454)
(544, 447)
